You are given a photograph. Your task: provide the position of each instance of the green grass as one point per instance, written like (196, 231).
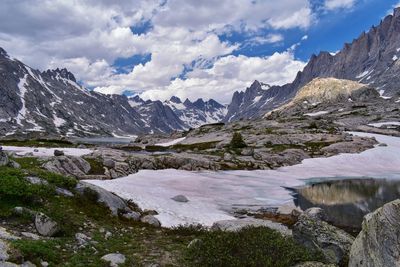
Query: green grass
(249, 247)
(96, 166)
(38, 143)
(140, 243)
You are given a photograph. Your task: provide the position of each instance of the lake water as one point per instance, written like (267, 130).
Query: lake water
(345, 202)
(104, 140)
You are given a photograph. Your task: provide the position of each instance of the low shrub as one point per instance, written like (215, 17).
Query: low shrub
(249, 247)
(237, 141)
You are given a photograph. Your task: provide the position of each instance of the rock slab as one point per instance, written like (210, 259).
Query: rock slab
(377, 245)
(322, 237)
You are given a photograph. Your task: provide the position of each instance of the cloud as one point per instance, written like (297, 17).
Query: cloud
(229, 74)
(183, 41)
(337, 4)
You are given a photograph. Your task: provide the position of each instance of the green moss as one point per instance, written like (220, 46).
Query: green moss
(96, 166)
(198, 146)
(154, 148)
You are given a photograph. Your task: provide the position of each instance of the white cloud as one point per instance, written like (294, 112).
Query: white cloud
(336, 4)
(229, 74)
(184, 33)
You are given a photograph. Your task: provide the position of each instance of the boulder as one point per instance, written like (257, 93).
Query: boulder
(316, 213)
(35, 180)
(4, 161)
(45, 225)
(68, 166)
(63, 192)
(58, 153)
(114, 259)
(377, 245)
(237, 225)
(132, 215)
(110, 200)
(4, 248)
(14, 164)
(150, 219)
(109, 163)
(333, 243)
(180, 198)
(82, 239)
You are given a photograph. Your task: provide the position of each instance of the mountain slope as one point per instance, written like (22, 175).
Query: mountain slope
(372, 58)
(200, 112)
(52, 102)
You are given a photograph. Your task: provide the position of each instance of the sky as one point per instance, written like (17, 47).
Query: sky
(185, 48)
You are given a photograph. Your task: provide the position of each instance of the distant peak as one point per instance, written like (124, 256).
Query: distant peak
(187, 102)
(175, 99)
(396, 12)
(64, 73)
(136, 98)
(256, 84)
(3, 53)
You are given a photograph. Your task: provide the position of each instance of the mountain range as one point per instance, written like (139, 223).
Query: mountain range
(53, 103)
(372, 58)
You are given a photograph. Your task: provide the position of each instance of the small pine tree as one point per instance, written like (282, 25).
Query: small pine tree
(237, 141)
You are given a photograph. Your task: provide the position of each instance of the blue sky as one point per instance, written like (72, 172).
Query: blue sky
(187, 48)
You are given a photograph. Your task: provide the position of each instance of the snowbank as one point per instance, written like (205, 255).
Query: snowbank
(315, 114)
(47, 152)
(213, 194)
(380, 124)
(171, 143)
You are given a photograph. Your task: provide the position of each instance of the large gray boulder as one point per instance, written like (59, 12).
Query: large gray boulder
(114, 259)
(180, 198)
(45, 225)
(3, 251)
(4, 161)
(237, 225)
(377, 245)
(110, 200)
(322, 237)
(150, 219)
(68, 166)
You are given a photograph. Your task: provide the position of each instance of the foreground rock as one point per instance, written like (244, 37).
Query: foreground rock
(150, 219)
(110, 200)
(68, 166)
(115, 259)
(3, 158)
(237, 225)
(322, 237)
(377, 245)
(45, 225)
(180, 198)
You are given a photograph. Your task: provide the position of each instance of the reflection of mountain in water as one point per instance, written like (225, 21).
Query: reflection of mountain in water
(347, 201)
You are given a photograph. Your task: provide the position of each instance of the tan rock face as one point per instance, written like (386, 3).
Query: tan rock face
(326, 90)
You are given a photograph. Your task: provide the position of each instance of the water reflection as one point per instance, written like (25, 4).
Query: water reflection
(347, 201)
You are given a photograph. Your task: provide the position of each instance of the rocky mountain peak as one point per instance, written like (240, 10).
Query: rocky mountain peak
(187, 102)
(3, 53)
(175, 99)
(64, 73)
(199, 103)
